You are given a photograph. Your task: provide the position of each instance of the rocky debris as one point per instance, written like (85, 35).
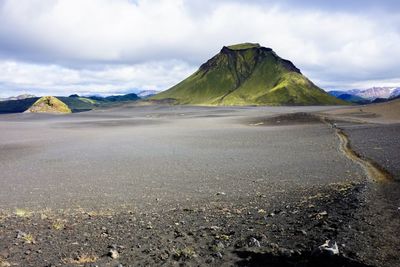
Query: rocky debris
(198, 235)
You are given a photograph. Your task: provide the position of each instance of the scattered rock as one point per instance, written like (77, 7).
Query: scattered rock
(219, 245)
(20, 234)
(218, 255)
(329, 247)
(113, 253)
(164, 256)
(321, 215)
(254, 242)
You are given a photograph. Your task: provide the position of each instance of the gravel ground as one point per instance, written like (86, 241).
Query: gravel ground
(187, 186)
(379, 143)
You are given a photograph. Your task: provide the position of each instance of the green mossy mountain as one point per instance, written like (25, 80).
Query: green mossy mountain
(247, 74)
(49, 104)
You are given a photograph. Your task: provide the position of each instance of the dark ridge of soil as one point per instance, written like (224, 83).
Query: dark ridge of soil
(108, 123)
(286, 119)
(241, 233)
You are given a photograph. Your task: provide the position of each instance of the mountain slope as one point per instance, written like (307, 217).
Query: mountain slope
(49, 104)
(247, 74)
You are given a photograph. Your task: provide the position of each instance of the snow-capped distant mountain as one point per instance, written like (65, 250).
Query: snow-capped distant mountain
(367, 95)
(376, 92)
(395, 93)
(20, 97)
(146, 93)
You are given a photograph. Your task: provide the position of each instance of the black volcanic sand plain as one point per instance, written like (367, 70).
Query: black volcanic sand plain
(192, 186)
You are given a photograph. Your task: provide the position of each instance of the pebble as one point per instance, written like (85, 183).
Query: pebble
(323, 213)
(218, 255)
(21, 234)
(113, 253)
(254, 242)
(219, 245)
(329, 247)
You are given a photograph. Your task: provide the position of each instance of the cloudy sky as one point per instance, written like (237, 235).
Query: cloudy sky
(60, 47)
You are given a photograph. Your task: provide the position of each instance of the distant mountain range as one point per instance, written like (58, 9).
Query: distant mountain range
(74, 102)
(247, 74)
(370, 95)
(114, 98)
(147, 93)
(20, 97)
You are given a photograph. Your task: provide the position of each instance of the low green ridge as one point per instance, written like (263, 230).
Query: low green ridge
(247, 74)
(49, 104)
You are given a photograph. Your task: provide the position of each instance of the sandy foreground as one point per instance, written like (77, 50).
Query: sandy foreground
(162, 185)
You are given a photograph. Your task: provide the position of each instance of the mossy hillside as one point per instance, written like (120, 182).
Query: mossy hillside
(247, 74)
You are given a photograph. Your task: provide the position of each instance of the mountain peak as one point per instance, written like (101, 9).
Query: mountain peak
(243, 46)
(247, 74)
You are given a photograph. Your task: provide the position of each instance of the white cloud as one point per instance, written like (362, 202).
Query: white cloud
(18, 78)
(71, 38)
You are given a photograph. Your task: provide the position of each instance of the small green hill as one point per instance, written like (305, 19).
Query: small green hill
(247, 74)
(49, 104)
